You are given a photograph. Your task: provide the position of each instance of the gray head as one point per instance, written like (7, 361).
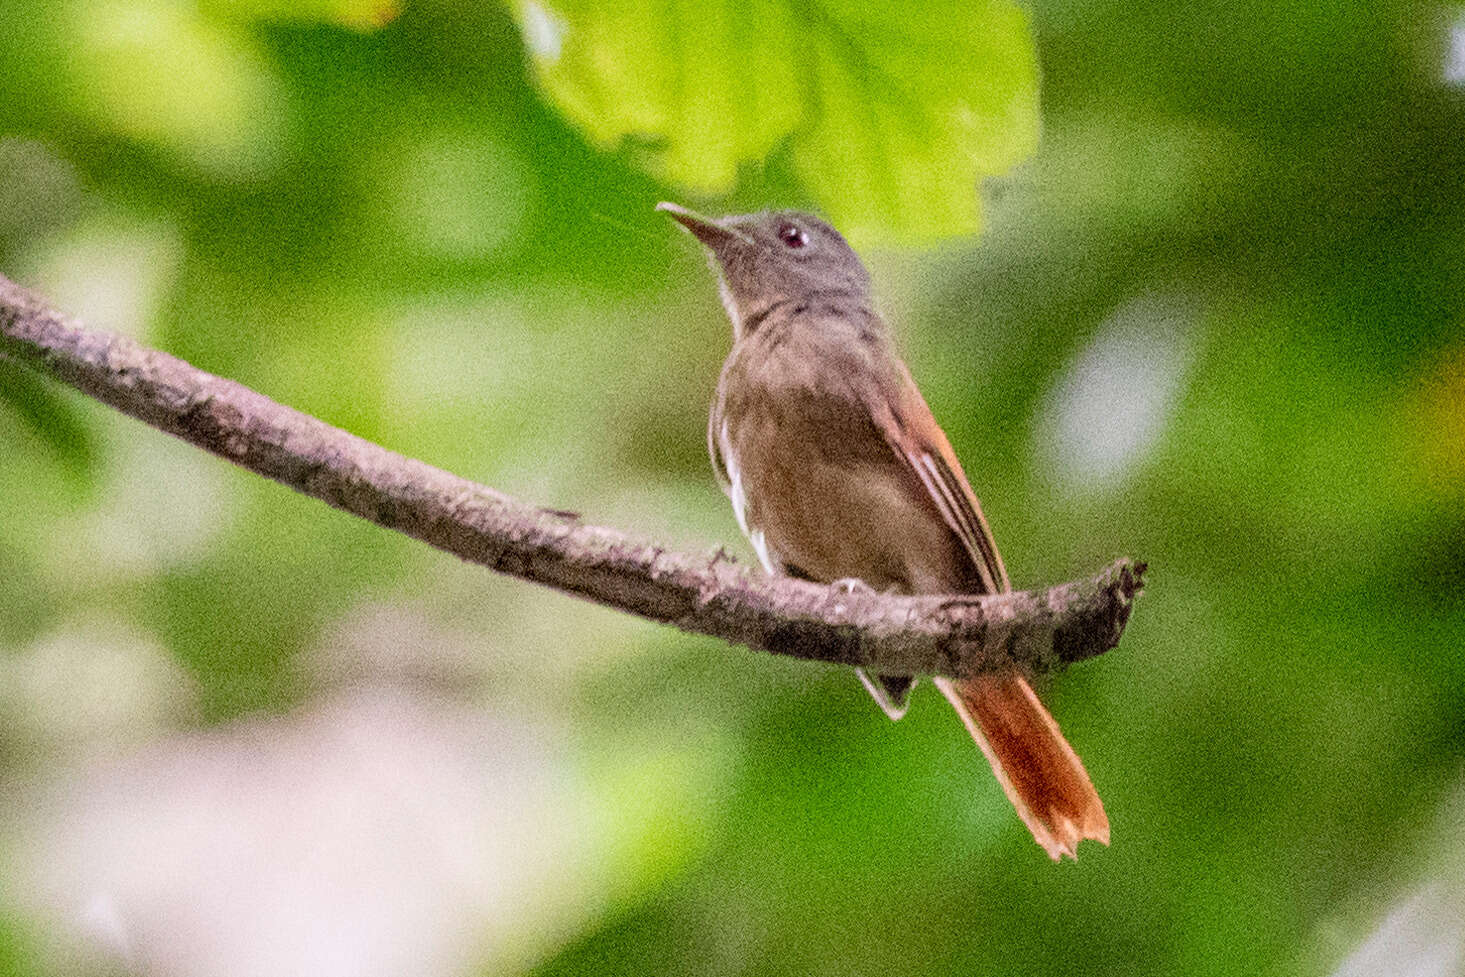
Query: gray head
(775, 256)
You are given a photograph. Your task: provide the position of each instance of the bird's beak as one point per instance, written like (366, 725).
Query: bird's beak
(713, 233)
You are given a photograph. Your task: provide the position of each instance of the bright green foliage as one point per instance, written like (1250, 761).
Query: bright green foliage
(163, 73)
(359, 14)
(890, 115)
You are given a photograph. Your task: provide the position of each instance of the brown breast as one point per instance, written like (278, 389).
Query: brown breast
(819, 489)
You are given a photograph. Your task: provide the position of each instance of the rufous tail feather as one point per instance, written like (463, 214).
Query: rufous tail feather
(1043, 777)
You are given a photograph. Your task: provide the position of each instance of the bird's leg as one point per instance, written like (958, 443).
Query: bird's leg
(891, 692)
(853, 585)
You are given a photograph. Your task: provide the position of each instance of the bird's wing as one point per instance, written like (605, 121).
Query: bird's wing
(916, 437)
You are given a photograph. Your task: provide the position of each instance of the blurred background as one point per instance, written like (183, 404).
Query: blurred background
(1213, 321)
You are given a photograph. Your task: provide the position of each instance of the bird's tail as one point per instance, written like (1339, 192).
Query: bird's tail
(1043, 777)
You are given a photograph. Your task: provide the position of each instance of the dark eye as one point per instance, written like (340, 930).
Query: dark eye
(793, 236)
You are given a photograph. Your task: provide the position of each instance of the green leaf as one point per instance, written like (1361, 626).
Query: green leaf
(361, 15)
(162, 73)
(50, 417)
(891, 114)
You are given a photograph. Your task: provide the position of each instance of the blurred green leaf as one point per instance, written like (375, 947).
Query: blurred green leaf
(53, 419)
(362, 15)
(164, 74)
(892, 115)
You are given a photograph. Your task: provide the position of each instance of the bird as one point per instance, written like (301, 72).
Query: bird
(838, 472)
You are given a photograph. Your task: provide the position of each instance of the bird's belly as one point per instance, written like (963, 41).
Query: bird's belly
(832, 521)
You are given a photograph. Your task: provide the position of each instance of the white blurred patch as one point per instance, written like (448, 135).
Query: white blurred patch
(460, 194)
(373, 836)
(1453, 69)
(544, 31)
(1423, 936)
(92, 685)
(1110, 406)
(160, 504)
(399, 643)
(113, 273)
(520, 376)
(493, 359)
(386, 833)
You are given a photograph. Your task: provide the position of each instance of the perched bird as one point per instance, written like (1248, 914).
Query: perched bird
(837, 471)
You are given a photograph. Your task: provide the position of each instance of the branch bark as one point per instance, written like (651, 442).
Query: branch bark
(954, 635)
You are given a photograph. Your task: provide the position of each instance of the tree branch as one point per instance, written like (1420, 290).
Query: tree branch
(942, 635)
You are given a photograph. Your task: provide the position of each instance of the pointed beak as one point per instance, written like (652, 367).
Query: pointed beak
(713, 233)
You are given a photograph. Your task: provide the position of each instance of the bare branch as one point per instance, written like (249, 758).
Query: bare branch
(943, 635)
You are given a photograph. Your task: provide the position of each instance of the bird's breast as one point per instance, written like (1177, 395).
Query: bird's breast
(816, 486)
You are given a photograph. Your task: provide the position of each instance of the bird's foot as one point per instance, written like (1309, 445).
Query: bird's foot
(853, 585)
